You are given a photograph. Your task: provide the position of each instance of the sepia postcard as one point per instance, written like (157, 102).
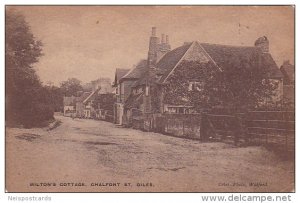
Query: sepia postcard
(149, 98)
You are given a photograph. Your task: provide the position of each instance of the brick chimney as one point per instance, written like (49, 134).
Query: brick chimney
(167, 39)
(153, 43)
(153, 31)
(262, 43)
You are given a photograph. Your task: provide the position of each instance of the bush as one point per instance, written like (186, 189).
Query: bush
(37, 116)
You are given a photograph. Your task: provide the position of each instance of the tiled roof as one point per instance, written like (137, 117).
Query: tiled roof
(170, 59)
(137, 71)
(221, 53)
(91, 95)
(164, 65)
(218, 53)
(119, 74)
(83, 97)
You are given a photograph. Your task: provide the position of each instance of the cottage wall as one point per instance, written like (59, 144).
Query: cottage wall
(126, 89)
(69, 111)
(79, 110)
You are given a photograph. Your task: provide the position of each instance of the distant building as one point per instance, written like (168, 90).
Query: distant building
(84, 101)
(80, 107)
(84, 104)
(69, 106)
(104, 83)
(89, 109)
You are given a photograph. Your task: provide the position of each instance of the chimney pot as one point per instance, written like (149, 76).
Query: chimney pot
(162, 38)
(153, 31)
(263, 44)
(167, 39)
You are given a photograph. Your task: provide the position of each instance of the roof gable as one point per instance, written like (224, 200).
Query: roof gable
(83, 96)
(169, 61)
(91, 95)
(189, 51)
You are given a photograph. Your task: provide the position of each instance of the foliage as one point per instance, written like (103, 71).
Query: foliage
(71, 87)
(240, 83)
(156, 93)
(25, 104)
(52, 96)
(104, 101)
(176, 90)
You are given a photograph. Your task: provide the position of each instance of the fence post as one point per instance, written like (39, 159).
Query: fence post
(167, 125)
(203, 127)
(183, 126)
(286, 143)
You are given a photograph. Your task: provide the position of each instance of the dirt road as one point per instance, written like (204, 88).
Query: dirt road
(96, 156)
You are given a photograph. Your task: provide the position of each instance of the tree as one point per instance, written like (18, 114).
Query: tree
(104, 101)
(241, 83)
(71, 87)
(52, 96)
(23, 86)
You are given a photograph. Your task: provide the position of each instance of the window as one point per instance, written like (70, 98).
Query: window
(147, 90)
(122, 88)
(117, 90)
(195, 85)
(181, 110)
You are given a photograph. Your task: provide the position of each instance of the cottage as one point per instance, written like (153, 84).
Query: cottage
(120, 95)
(123, 83)
(87, 105)
(162, 63)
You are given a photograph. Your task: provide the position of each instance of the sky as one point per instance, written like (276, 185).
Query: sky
(88, 42)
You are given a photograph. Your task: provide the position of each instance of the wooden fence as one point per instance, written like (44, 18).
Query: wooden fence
(272, 128)
(223, 127)
(275, 129)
